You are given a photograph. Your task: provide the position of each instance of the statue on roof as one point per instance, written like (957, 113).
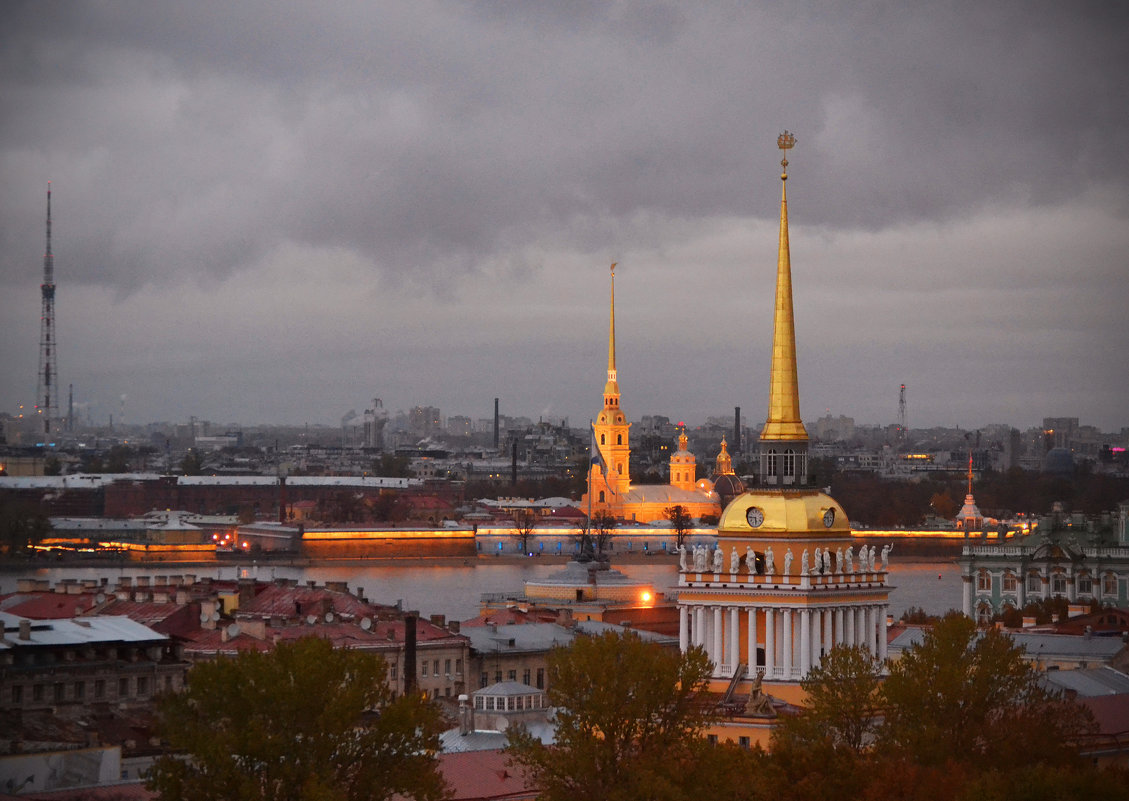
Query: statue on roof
(886, 556)
(734, 560)
(682, 558)
(788, 562)
(769, 562)
(760, 703)
(718, 560)
(750, 560)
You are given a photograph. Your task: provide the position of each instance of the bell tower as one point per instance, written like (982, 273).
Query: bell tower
(611, 430)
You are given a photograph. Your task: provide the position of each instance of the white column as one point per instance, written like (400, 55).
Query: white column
(786, 642)
(840, 633)
(683, 628)
(769, 641)
(700, 626)
(828, 636)
(718, 656)
(849, 628)
(805, 641)
(734, 648)
(816, 637)
(967, 582)
(860, 627)
(882, 633)
(752, 632)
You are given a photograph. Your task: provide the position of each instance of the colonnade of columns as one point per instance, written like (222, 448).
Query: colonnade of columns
(794, 639)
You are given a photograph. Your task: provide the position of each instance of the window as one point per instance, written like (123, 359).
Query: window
(601, 496)
(743, 742)
(984, 581)
(447, 691)
(490, 702)
(423, 668)
(1034, 583)
(712, 739)
(458, 667)
(447, 667)
(512, 675)
(619, 439)
(123, 688)
(521, 702)
(770, 468)
(789, 462)
(479, 702)
(497, 676)
(394, 671)
(602, 439)
(17, 694)
(1058, 584)
(37, 692)
(435, 668)
(483, 680)
(142, 685)
(60, 692)
(1109, 584)
(540, 678)
(79, 690)
(1009, 582)
(525, 676)
(1085, 584)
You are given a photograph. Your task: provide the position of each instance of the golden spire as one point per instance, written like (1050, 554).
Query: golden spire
(612, 387)
(784, 421)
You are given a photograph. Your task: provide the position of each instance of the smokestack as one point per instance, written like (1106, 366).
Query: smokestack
(736, 429)
(409, 654)
(513, 464)
(495, 424)
(282, 499)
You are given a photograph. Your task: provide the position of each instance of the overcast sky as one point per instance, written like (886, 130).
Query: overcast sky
(274, 212)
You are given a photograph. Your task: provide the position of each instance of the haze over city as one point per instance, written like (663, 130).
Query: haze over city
(274, 213)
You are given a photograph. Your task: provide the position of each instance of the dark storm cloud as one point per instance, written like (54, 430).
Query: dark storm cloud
(425, 144)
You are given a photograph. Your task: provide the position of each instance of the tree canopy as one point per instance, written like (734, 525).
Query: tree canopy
(629, 726)
(961, 715)
(964, 694)
(304, 721)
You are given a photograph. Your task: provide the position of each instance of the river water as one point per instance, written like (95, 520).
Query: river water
(454, 591)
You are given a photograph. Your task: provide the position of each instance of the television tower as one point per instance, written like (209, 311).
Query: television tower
(46, 398)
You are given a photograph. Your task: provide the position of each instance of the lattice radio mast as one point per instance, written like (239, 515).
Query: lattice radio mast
(902, 413)
(46, 394)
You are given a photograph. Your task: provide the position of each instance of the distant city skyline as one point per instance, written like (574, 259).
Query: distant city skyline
(267, 214)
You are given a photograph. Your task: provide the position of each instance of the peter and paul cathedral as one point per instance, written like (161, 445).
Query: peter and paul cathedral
(785, 584)
(610, 489)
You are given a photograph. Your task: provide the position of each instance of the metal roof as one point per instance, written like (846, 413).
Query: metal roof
(1089, 682)
(76, 632)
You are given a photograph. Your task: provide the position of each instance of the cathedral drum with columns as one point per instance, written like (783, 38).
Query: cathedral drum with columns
(785, 583)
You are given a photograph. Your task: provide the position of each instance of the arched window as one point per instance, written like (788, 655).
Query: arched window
(601, 439)
(601, 496)
(789, 462)
(619, 439)
(771, 466)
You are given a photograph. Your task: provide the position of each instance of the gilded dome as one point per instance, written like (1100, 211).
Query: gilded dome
(783, 512)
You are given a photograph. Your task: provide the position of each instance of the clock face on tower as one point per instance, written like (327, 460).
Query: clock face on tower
(755, 516)
(829, 518)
